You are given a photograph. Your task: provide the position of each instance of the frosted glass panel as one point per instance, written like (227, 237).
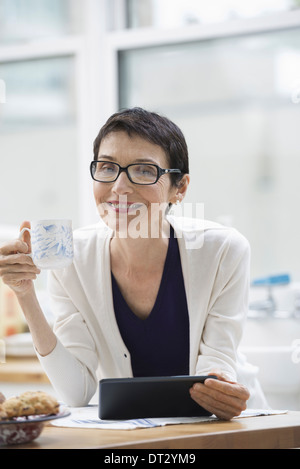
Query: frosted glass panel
(38, 92)
(38, 142)
(238, 103)
(177, 13)
(30, 19)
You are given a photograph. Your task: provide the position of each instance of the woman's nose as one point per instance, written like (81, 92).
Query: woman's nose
(122, 185)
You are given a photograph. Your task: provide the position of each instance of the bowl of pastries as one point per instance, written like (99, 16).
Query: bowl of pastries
(22, 418)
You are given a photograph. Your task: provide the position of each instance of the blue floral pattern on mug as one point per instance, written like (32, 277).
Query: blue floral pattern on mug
(52, 245)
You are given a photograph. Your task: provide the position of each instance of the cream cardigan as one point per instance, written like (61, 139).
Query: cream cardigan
(215, 264)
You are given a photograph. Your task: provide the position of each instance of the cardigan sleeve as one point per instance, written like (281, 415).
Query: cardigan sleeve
(227, 311)
(71, 366)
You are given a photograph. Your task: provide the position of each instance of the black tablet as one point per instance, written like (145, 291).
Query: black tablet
(131, 398)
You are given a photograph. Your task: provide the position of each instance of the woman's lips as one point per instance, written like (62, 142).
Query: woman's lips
(121, 207)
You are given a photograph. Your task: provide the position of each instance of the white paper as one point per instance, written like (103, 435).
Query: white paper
(87, 417)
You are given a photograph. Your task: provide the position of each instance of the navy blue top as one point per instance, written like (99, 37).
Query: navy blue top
(159, 345)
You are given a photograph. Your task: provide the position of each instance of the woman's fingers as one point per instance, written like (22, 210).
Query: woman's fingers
(221, 408)
(215, 408)
(16, 278)
(234, 398)
(224, 399)
(13, 247)
(17, 269)
(230, 390)
(26, 236)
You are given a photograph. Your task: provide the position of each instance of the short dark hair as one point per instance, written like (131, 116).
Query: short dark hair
(154, 128)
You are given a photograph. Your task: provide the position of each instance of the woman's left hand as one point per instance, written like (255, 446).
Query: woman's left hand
(221, 397)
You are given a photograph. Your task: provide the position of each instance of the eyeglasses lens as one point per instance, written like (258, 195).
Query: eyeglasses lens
(105, 171)
(143, 173)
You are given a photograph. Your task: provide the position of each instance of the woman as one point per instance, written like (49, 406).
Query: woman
(140, 299)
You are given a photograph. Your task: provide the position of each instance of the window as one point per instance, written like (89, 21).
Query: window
(39, 154)
(237, 99)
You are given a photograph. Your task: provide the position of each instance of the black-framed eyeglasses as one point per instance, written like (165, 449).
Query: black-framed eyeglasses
(137, 173)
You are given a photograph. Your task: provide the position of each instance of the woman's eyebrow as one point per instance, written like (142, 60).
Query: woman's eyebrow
(106, 157)
(145, 160)
(136, 160)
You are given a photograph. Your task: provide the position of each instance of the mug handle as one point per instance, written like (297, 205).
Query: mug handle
(20, 236)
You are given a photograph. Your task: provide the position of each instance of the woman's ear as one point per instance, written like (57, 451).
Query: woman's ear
(181, 190)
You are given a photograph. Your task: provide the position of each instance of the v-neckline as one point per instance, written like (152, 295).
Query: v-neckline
(163, 282)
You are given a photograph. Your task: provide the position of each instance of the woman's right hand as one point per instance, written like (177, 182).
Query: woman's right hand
(17, 270)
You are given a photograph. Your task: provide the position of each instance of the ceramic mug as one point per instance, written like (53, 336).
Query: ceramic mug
(51, 243)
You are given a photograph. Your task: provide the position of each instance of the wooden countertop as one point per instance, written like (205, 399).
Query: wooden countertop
(275, 431)
(22, 370)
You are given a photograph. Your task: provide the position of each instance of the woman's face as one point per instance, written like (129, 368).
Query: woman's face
(128, 207)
